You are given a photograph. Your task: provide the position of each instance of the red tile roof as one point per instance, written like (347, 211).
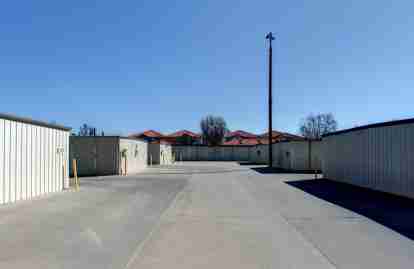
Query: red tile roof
(184, 132)
(240, 137)
(274, 134)
(280, 135)
(241, 133)
(148, 133)
(246, 141)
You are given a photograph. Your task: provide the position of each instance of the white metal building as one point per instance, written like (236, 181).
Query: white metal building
(377, 156)
(292, 155)
(108, 155)
(33, 158)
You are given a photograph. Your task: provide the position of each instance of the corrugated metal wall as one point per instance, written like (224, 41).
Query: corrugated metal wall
(33, 160)
(379, 158)
(296, 155)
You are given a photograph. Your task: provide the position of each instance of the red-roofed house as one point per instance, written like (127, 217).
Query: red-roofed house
(150, 136)
(278, 137)
(242, 141)
(240, 134)
(240, 137)
(183, 137)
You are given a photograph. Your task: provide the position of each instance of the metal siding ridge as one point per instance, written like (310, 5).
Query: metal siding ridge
(374, 125)
(33, 122)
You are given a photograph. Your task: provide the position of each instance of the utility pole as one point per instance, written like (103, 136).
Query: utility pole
(270, 37)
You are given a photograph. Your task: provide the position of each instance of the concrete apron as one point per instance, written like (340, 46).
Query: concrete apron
(215, 223)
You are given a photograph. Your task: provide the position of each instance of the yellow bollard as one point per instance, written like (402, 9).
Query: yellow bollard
(75, 173)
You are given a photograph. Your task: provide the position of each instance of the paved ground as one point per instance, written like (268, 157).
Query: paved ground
(195, 215)
(97, 227)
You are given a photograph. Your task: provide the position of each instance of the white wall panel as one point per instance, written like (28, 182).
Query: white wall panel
(37, 162)
(31, 160)
(60, 161)
(379, 158)
(48, 157)
(2, 161)
(136, 154)
(53, 164)
(24, 162)
(42, 161)
(18, 160)
(7, 154)
(13, 160)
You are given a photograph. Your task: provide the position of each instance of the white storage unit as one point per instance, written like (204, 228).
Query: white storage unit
(33, 158)
(295, 155)
(136, 155)
(108, 155)
(377, 156)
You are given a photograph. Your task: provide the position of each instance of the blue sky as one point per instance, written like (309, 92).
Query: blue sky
(125, 66)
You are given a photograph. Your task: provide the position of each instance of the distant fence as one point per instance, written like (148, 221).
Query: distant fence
(205, 153)
(295, 155)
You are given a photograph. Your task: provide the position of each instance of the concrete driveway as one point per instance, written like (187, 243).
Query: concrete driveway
(97, 227)
(195, 215)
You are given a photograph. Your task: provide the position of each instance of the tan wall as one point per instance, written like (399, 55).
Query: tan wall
(204, 153)
(379, 158)
(297, 155)
(136, 155)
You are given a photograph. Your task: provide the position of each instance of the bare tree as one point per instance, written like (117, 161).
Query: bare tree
(87, 130)
(213, 130)
(315, 126)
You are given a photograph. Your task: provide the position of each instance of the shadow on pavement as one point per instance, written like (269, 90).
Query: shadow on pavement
(275, 170)
(394, 212)
(246, 163)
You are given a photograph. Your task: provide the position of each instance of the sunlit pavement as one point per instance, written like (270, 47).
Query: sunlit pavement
(194, 215)
(230, 216)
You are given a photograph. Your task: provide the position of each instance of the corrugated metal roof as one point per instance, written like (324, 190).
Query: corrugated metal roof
(34, 122)
(374, 125)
